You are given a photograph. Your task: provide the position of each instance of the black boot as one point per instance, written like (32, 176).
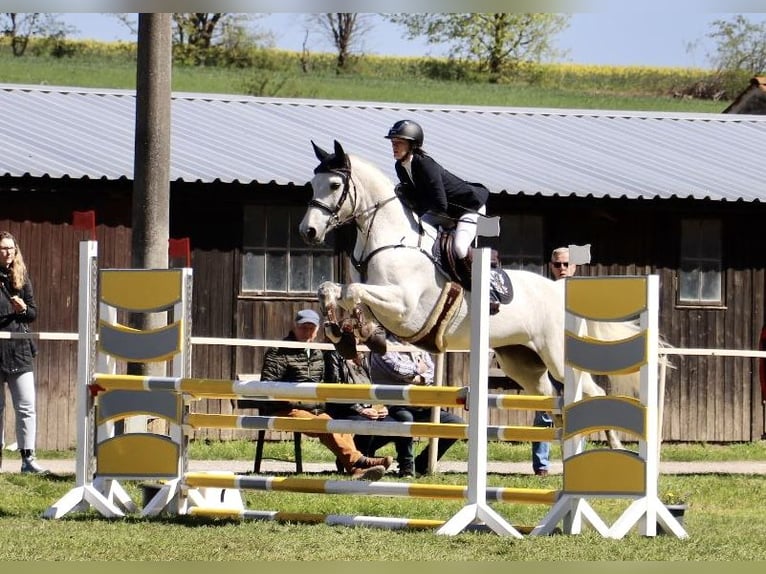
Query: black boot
(29, 464)
(464, 270)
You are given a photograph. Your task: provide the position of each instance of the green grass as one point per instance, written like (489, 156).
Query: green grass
(497, 451)
(725, 522)
(725, 519)
(616, 91)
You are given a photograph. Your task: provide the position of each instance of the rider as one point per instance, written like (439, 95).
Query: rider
(435, 194)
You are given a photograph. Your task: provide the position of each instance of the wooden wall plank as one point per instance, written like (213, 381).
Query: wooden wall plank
(714, 399)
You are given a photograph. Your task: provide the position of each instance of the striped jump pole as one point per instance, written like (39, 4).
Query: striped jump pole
(388, 523)
(413, 395)
(230, 480)
(416, 395)
(382, 428)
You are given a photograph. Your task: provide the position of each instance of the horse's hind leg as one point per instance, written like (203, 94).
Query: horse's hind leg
(591, 389)
(525, 367)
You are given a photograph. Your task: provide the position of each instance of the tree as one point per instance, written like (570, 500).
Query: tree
(345, 31)
(740, 46)
(20, 27)
(203, 30)
(500, 43)
(197, 28)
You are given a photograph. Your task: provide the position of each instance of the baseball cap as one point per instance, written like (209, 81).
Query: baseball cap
(307, 316)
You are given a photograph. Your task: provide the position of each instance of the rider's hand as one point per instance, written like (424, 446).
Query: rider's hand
(370, 413)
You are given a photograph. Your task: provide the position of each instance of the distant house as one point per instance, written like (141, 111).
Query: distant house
(752, 100)
(679, 195)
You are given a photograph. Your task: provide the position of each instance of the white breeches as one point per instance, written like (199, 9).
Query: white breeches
(465, 232)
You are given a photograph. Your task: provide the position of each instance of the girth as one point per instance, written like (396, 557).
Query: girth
(431, 335)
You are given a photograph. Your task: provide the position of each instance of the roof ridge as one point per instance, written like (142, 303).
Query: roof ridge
(399, 106)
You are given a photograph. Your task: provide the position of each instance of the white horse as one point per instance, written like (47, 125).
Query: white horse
(398, 282)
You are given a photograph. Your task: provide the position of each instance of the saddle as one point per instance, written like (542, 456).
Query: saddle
(459, 270)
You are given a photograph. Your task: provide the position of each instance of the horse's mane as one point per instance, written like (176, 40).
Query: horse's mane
(368, 173)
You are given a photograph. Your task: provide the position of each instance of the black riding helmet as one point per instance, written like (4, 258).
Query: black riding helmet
(407, 130)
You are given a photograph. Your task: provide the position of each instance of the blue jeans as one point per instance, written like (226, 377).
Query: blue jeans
(422, 415)
(368, 444)
(541, 451)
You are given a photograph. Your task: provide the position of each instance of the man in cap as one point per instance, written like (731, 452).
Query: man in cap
(307, 365)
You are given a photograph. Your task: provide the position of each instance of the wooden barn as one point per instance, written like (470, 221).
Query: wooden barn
(679, 195)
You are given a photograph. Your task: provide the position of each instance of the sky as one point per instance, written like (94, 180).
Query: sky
(601, 38)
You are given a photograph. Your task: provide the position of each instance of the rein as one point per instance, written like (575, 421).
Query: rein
(362, 264)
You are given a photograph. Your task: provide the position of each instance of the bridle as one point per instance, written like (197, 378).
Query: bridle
(335, 220)
(350, 193)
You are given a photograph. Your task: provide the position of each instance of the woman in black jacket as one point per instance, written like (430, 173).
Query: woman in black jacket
(436, 195)
(17, 310)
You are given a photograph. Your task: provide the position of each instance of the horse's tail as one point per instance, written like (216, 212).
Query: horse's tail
(628, 384)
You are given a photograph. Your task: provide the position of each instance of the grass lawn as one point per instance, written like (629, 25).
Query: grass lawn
(725, 520)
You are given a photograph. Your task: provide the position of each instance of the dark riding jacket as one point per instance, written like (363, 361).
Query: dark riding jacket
(293, 366)
(349, 372)
(434, 189)
(16, 354)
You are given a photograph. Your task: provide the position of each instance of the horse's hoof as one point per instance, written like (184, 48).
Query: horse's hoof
(332, 331)
(346, 345)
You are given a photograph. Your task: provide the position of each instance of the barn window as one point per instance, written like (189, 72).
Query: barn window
(700, 281)
(520, 243)
(276, 259)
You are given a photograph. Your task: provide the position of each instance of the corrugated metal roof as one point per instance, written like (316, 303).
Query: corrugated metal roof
(88, 133)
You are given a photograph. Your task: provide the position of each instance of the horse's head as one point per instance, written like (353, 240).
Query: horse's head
(333, 201)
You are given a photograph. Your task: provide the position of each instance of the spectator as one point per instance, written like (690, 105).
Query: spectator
(560, 268)
(308, 365)
(409, 368)
(356, 371)
(17, 310)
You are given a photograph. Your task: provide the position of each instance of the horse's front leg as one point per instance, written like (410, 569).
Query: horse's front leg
(329, 295)
(341, 336)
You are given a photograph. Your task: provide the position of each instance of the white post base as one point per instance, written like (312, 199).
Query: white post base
(83, 496)
(571, 510)
(640, 512)
(160, 501)
(476, 514)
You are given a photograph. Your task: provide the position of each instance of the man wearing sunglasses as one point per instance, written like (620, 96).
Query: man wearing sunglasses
(560, 268)
(559, 264)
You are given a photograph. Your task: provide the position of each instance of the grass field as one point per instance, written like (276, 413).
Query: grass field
(725, 521)
(564, 86)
